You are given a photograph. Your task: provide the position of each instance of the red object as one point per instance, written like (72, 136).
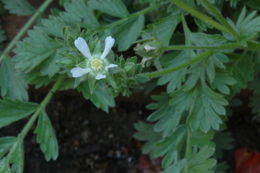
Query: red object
(247, 161)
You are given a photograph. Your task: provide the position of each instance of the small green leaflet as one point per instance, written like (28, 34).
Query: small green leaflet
(102, 96)
(128, 32)
(12, 110)
(29, 57)
(248, 26)
(209, 106)
(17, 157)
(168, 111)
(165, 28)
(12, 82)
(201, 161)
(5, 144)
(112, 7)
(177, 167)
(146, 133)
(19, 7)
(77, 12)
(46, 137)
(243, 63)
(158, 146)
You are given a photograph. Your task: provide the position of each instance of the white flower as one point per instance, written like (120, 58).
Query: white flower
(97, 64)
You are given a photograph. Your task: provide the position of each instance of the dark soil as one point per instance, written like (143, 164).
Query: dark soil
(91, 141)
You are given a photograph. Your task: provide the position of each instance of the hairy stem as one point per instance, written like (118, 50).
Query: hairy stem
(24, 29)
(42, 106)
(201, 16)
(215, 12)
(220, 47)
(33, 118)
(170, 70)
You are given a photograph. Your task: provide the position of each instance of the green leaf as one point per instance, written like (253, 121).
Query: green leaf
(175, 80)
(247, 26)
(112, 7)
(4, 166)
(168, 114)
(46, 137)
(101, 97)
(5, 144)
(12, 82)
(243, 71)
(19, 7)
(33, 50)
(209, 106)
(17, 157)
(156, 145)
(201, 139)
(145, 133)
(11, 111)
(222, 82)
(177, 167)
(165, 28)
(78, 12)
(128, 32)
(201, 161)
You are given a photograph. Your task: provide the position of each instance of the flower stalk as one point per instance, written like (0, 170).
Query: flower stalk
(200, 57)
(201, 16)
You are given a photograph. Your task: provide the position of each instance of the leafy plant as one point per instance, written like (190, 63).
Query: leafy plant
(197, 55)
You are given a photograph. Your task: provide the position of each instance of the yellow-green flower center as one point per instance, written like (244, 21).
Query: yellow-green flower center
(96, 64)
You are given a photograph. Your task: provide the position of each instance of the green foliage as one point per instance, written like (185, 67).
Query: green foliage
(11, 111)
(112, 7)
(14, 162)
(19, 7)
(46, 137)
(247, 26)
(12, 82)
(102, 97)
(213, 60)
(128, 32)
(5, 145)
(201, 161)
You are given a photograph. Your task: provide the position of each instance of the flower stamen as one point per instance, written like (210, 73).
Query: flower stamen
(96, 64)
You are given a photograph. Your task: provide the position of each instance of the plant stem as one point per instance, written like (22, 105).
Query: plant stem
(187, 150)
(215, 12)
(201, 16)
(24, 29)
(220, 47)
(43, 104)
(170, 70)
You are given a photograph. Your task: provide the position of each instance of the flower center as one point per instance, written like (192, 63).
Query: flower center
(96, 64)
